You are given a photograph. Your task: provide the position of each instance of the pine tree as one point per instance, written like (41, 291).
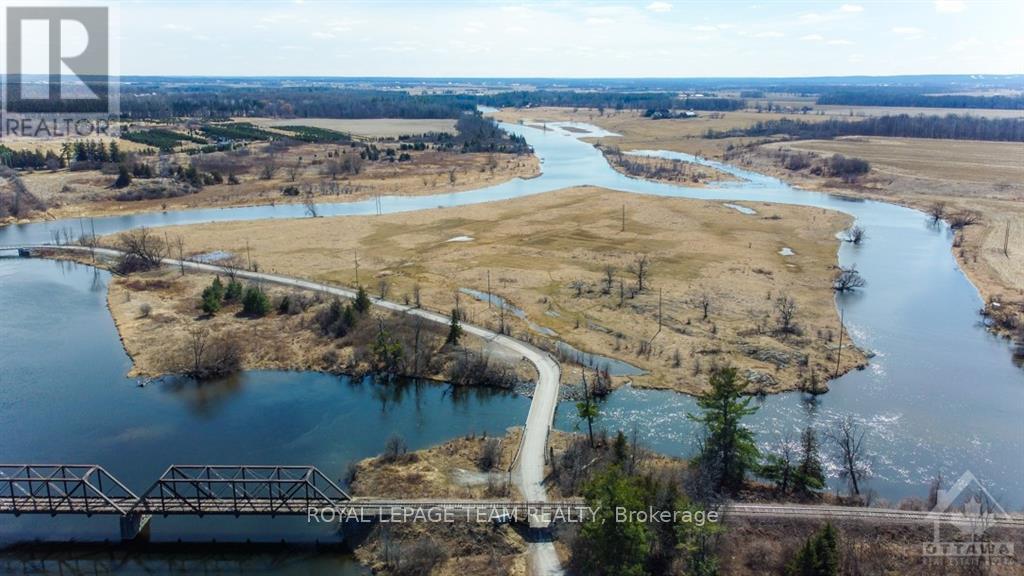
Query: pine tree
(362, 303)
(819, 556)
(212, 296)
(124, 177)
(607, 546)
(234, 291)
(729, 450)
(255, 302)
(810, 475)
(454, 329)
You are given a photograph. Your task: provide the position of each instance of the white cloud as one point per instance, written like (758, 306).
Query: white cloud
(659, 7)
(908, 32)
(769, 34)
(949, 6)
(599, 21)
(704, 28)
(839, 42)
(851, 8)
(813, 37)
(323, 35)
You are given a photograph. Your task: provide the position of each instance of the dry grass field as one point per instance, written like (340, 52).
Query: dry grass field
(637, 133)
(548, 255)
(90, 193)
(992, 169)
(984, 177)
(366, 128)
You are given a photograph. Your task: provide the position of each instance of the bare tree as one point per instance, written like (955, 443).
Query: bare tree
(856, 235)
(309, 201)
(143, 250)
(179, 243)
(294, 169)
(848, 439)
(416, 293)
(609, 278)
(269, 168)
(785, 308)
(704, 303)
(641, 269)
(578, 286)
(937, 211)
(847, 280)
(198, 338)
(383, 287)
(961, 220)
(332, 168)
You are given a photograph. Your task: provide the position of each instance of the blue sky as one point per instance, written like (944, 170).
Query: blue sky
(571, 39)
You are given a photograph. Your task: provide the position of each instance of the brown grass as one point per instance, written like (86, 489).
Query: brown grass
(636, 132)
(369, 128)
(89, 193)
(535, 248)
(987, 177)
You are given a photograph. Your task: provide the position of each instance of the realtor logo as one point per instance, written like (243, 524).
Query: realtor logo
(969, 507)
(57, 71)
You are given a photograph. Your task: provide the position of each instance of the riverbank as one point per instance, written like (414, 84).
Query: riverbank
(89, 193)
(468, 467)
(160, 321)
(566, 262)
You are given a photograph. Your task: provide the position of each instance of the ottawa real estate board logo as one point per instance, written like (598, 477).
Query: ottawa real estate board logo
(968, 507)
(58, 72)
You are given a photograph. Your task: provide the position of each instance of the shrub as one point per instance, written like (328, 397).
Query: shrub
(255, 302)
(145, 310)
(212, 297)
(233, 291)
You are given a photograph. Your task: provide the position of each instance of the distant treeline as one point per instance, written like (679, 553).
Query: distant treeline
(306, 102)
(610, 100)
(479, 134)
(917, 100)
(952, 126)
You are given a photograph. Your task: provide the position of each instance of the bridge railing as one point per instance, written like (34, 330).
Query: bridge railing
(62, 489)
(238, 490)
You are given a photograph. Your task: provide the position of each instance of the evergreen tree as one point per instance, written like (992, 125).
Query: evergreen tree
(728, 450)
(255, 302)
(454, 329)
(362, 303)
(234, 291)
(697, 541)
(810, 475)
(124, 177)
(212, 296)
(606, 546)
(819, 556)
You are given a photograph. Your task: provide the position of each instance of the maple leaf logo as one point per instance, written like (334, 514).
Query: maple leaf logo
(976, 518)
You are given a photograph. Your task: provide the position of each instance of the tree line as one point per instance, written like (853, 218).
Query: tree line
(300, 102)
(876, 97)
(611, 100)
(952, 126)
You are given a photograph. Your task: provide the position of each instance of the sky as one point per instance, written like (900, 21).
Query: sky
(660, 38)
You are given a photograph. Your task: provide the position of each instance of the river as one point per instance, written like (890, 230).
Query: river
(940, 395)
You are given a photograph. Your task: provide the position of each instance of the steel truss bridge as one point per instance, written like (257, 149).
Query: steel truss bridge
(187, 490)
